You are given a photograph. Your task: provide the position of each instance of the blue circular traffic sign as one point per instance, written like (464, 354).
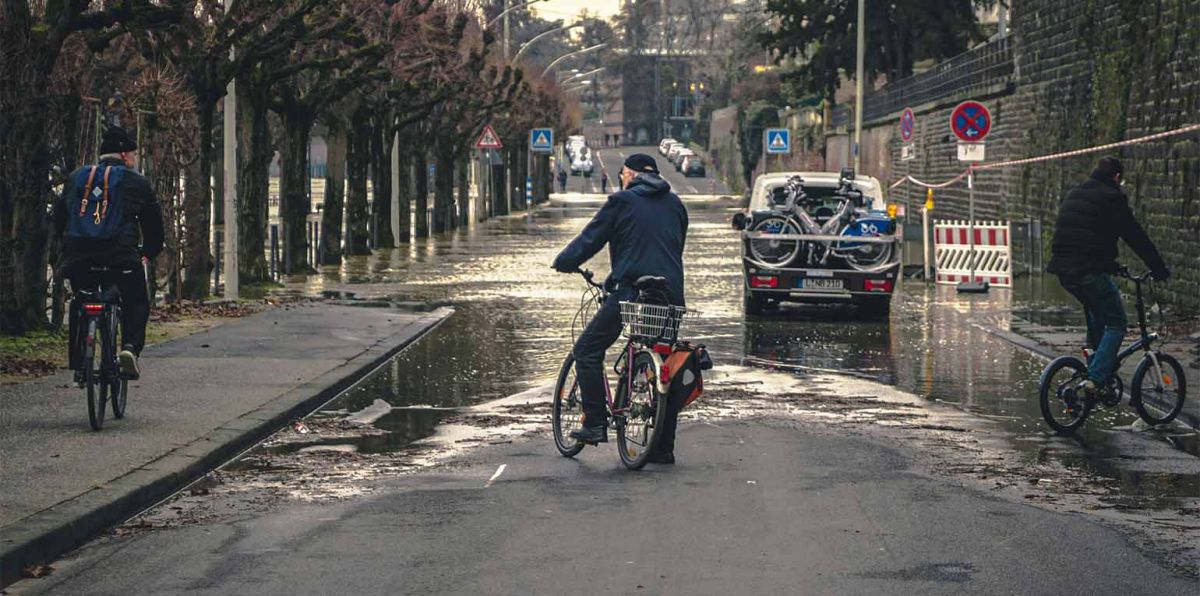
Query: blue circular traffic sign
(971, 121)
(908, 121)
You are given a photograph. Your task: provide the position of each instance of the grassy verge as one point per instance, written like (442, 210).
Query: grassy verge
(43, 353)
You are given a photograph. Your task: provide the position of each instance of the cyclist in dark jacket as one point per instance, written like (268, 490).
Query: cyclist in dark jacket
(645, 228)
(143, 213)
(1091, 218)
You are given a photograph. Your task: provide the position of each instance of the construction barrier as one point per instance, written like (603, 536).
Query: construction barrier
(993, 252)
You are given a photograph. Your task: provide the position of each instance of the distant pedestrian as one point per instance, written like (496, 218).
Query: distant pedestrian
(562, 180)
(604, 180)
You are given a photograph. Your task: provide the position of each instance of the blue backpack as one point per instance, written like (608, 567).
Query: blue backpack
(96, 210)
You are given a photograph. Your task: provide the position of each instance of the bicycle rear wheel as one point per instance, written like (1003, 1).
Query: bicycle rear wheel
(645, 410)
(1157, 393)
(567, 412)
(93, 378)
(119, 389)
(1062, 407)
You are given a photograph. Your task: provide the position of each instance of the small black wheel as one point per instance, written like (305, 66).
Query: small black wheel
(645, 410)
(1157, 392)
(1062, 407)
(567, 414)
(753, 304)
(93, 376)
(119, 389)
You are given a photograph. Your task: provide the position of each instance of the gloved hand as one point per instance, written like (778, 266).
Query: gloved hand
(1162, 275)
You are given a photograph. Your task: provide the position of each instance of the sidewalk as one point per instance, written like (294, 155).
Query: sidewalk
(1051, 325)
(201, 400)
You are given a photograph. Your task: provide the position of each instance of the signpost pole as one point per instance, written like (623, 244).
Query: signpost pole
(972, 286)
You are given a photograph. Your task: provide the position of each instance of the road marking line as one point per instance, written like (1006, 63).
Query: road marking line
(499, 471)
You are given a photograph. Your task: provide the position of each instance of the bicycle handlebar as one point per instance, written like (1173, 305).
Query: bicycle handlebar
(1124, 272)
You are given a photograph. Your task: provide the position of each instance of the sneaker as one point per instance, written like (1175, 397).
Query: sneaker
(1096, 391)
(129, 364)
(79, 380)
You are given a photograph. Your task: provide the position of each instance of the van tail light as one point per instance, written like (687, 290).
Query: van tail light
(93, 309)
(764, 281)
(877, 285)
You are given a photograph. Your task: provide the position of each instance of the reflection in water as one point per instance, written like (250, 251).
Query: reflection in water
(513, 316)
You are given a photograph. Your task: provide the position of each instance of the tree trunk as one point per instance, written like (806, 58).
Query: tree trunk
(421, 169)
(404, 190)
(254, 177)
(294, 200)
(358, 158)
(464, 190)
(335, 183)
(197, 212)
(443, 189)
(381, 168)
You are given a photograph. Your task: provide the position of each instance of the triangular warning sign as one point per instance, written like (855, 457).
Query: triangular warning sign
(777, 141)
(540, 140)
(489, 139)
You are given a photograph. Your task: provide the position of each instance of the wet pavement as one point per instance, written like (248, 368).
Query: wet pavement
(962, 394)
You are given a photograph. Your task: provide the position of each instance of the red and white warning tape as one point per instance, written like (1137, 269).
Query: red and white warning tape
(1016, 162)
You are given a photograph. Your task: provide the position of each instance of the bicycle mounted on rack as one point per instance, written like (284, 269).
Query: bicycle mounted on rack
(813, 237)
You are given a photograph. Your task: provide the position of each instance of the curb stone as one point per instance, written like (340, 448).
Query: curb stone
(52, 532)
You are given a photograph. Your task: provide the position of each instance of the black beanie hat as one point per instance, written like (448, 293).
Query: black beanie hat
(1109, 167)
(640, 162)
(116, 140)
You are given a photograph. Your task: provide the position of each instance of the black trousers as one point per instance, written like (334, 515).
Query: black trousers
(135, 304)
(590, 348)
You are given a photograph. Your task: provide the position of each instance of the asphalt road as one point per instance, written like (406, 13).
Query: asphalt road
(751, 508)
(612, 158)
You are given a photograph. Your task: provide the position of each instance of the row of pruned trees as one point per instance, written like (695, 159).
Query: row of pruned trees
(386, 81)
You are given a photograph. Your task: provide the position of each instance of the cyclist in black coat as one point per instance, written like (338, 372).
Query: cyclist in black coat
(645, 228)
(1091, 218)
(142, 213)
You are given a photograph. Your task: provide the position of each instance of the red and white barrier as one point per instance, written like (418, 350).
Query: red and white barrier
(993, 252)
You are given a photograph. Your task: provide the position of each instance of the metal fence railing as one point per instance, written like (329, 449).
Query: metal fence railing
(979, 68)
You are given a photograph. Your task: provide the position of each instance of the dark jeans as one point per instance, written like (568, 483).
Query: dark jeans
(596, 339)
(135, 304)
(1106, 321)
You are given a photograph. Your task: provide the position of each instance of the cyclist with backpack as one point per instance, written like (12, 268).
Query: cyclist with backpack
(645, 228)
(99, 215)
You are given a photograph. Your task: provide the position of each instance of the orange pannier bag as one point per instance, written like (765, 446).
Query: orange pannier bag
(686, 365)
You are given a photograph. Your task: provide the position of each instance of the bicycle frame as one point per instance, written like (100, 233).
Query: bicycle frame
(632, 348)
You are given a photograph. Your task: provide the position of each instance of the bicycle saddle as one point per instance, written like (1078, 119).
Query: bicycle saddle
(651, 282)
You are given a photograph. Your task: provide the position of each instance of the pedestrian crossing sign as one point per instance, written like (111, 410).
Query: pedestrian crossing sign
(779, 140)
(541, 140)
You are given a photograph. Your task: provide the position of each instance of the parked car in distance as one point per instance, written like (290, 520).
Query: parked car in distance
(573, 145)
(679, 157)
(693, 165)
(674, 150)
(665, 144)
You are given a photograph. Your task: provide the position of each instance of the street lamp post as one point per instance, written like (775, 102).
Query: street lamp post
(538, 37)
(858, 84)
(569, 54)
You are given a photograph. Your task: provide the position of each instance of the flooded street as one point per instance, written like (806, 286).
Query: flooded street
(513, 318)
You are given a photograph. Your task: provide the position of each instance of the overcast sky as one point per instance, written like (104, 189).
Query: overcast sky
(558, 9)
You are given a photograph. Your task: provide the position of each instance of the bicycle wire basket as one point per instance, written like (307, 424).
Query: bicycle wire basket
(653, 321)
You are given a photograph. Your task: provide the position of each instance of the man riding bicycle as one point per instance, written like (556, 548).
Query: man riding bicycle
(645, 227)
(99, 214)
(1091, 218)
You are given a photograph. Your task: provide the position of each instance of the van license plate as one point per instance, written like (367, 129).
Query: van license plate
(809, 283)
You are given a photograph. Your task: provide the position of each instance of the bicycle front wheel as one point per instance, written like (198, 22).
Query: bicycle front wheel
(1063, 408)
(1157, 392)
(644, 411)
(119, 387)
(93, 377)
(567, 413)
